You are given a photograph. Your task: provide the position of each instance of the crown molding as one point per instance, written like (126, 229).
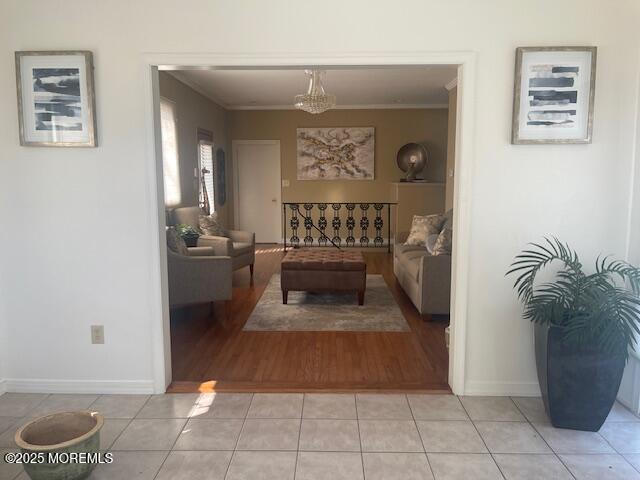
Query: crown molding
(452, 84)
(382, 106)
(369, 106)
(194, 86)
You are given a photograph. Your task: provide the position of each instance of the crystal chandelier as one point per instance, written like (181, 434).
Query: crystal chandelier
(315, 100)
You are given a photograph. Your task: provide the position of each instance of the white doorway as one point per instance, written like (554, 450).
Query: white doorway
(463, 189)
(257, 188)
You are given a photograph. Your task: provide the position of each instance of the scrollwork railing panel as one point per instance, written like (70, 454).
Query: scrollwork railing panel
(340, 224)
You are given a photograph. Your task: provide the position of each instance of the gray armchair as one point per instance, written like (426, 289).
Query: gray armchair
(199, 277)
(240, 245)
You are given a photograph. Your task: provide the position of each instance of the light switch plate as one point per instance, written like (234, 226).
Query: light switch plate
(285, 183)
(97, 334)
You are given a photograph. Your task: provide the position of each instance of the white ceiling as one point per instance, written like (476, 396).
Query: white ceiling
(398, 87)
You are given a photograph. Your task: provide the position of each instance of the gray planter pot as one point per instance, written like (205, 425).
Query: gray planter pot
(579, 386)
(62, 434)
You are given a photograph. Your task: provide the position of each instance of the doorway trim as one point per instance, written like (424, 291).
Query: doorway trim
(236, 176)
(465, 141)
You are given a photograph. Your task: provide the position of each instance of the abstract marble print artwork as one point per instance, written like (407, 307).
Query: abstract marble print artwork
(340, 153)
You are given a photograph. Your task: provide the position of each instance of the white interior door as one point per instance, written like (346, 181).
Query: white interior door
(257, 194)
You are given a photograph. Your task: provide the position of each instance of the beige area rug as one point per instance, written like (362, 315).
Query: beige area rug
(326, 312)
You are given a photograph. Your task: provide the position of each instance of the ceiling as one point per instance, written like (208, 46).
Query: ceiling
(397, 87)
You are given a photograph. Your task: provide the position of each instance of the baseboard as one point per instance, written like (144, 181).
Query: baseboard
(502, 389)
(78, 386)
(3, 386)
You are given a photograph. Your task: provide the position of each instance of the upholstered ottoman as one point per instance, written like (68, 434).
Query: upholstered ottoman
(324, 270)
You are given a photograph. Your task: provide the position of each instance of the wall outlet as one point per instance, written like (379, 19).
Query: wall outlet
(97, 334)
(285, 183)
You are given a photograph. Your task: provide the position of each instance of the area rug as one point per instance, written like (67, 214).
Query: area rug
(327, 312)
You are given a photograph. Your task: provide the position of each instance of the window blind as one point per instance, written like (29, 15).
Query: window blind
(207, 193)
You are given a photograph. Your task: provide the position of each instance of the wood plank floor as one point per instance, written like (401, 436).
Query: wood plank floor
(211, 352)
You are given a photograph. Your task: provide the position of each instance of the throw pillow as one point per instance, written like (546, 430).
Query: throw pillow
(443, 243)
(175, 243)
(431, 242)
(210, 225)
(422, 227)
(448, 219)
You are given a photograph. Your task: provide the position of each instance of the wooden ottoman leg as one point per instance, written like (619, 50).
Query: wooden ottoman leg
(360, 297)
(285, 295)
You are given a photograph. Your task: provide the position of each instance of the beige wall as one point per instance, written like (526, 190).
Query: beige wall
(394, 128)
(451, 148)
(195, 111)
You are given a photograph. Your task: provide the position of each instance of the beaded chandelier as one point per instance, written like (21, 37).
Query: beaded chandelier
(316, 100)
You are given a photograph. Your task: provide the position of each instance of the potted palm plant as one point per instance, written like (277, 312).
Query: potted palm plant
(584, 324)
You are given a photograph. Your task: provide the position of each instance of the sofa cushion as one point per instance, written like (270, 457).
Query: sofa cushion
(210, 225)
(411, 262)
(240, 248)
(186, 216)
(400, 249)
(422, 226)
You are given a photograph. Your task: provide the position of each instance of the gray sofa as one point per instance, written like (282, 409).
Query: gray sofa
(240, 245)
(200, 277)
(426, 279)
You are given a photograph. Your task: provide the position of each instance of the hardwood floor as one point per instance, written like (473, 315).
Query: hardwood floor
(211, 352)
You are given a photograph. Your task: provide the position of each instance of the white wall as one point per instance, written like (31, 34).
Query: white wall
(630, 389)
(86, 258)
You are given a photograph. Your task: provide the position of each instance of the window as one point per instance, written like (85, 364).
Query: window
(207, 194)
(170, 164)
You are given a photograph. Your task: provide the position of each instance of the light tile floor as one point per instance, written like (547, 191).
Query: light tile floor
(335, 437)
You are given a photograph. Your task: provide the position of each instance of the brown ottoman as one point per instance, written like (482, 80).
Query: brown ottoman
(318, 270)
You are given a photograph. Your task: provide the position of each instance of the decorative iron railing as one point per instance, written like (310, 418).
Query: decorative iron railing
(342, 224)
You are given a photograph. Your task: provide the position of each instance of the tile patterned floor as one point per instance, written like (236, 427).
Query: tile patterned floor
(336, 437)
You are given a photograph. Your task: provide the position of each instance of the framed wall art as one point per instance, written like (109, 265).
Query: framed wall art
(554, 93)
(56, 99)
(337, 153)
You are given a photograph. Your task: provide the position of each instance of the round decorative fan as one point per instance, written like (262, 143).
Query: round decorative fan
(411, 159)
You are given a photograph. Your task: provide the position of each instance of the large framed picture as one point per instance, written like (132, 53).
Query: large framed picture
(553, 97)
(56, 100)
(337, 153)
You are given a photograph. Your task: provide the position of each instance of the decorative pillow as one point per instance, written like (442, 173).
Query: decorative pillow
(210, 225)
(422, 227)
(443, 243)
(448, 219)
(431, 242)
(175, 243)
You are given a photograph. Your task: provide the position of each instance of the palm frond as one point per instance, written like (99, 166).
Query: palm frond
(601, 310)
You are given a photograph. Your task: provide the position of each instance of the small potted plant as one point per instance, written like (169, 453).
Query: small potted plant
(584, 326)
(189, 234)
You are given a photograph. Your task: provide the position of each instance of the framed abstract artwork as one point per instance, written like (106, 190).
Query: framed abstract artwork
(337, 153)
(553, 95)
(56, 99)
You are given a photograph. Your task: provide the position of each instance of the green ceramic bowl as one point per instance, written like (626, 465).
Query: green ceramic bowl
(60, 437)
